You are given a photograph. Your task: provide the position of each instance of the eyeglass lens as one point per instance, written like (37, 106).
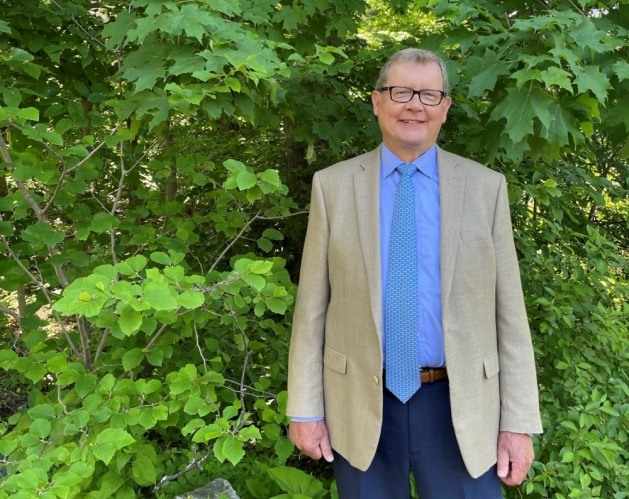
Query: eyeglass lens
(428, 97)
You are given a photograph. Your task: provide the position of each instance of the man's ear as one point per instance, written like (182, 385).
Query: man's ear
(447, 102)
(375, 100)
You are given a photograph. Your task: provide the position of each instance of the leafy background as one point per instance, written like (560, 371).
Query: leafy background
(157, 157)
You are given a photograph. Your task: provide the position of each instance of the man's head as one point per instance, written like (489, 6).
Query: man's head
(410, 128)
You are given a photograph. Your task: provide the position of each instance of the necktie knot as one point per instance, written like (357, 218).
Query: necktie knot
(407, 169)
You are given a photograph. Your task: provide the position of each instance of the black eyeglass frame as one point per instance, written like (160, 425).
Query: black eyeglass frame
(418, 92)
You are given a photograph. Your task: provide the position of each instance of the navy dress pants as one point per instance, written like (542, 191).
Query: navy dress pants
(416, 436)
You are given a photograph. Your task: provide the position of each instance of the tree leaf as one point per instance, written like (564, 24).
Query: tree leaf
(557, 76)
(520, 108)
(271, 176)
(103, 222)
(105, 451)
(246, 180)
(233, 450)
(591, 78)
(130, 320)
(85, 384)
(132, 359)
(144, 471)
(295, 481)
(234, 166)
(191, 299)
(255, 281)
(115, 436)
(486, 71)
(284, 448)
(158, 295)
(276, 305)
(161, 257)
(36, 372)
(32, 114)
(40, 427)
(274, 234)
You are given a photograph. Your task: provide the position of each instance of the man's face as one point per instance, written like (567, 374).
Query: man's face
(410, 129)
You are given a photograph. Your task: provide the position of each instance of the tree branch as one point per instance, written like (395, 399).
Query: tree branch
(10, 312)
(100, 42)
(101, 345)
(279, 217)
(59, 157)
(195, 463)
(241, 417)
(233, 241)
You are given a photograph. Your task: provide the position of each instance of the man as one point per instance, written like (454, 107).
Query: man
(409, 241)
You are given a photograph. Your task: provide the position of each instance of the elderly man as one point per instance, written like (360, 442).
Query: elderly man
(410, 348)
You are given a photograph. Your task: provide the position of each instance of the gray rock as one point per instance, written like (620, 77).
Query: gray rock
(212, 490)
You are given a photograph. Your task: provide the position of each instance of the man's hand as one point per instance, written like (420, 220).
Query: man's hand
(312, 439)
(515, 455)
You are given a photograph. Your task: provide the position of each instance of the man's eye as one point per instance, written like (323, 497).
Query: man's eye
(401, 93)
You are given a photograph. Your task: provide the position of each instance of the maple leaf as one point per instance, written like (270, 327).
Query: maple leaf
(520, 108)
(621, 69)
(586, 35)
(591, 78)
(486, 69)
(144, 27)
(117, 30)
(154, 7)
(191, 20)
(557, 76)
(286, 17)
(186, 60)
(561, 125)
(227, 7)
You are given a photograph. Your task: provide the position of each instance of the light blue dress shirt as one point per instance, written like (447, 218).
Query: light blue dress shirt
(427, 216)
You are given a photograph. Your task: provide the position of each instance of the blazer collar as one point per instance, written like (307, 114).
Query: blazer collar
(367, 195)
(451, 194)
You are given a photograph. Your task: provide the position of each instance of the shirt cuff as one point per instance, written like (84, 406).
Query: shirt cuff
(306, 420)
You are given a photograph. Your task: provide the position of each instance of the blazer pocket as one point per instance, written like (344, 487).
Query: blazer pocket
(472, 236)
(491, 365)
(334, 360)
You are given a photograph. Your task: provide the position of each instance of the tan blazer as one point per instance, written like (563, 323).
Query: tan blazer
(335, 360)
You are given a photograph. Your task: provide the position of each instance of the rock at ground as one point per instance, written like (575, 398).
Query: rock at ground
(212, 490)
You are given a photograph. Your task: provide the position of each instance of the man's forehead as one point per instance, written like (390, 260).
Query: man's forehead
(412, 66)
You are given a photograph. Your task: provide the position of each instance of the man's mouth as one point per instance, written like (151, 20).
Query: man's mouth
(413, 122)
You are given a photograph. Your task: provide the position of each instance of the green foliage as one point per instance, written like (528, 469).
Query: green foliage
(149, 148)
(163, 339)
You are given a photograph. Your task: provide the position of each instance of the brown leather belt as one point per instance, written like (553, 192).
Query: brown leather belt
(428, 374)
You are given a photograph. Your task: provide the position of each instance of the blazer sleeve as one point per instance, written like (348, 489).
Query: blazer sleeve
(305, 361)
(519, 398)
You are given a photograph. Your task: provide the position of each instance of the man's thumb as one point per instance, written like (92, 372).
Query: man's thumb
(503, 463)
(326, 449)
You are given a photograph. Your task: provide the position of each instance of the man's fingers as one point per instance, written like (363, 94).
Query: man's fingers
(312, 439)
(518, 473)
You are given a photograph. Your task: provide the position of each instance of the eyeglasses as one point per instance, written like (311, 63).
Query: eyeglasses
(405, 94)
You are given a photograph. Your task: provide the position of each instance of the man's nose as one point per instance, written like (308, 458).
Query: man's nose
(415, 102)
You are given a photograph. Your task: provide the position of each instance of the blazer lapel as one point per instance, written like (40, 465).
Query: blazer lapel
(367, 195)
(451, 192)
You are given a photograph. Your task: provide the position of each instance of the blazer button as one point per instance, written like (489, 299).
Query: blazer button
(375, 380)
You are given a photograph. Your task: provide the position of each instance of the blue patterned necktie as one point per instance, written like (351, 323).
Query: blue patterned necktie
(401, 294)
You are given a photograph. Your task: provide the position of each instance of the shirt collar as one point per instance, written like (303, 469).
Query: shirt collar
(426, 163)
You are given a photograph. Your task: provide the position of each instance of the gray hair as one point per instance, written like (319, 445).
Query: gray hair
(419, 56)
